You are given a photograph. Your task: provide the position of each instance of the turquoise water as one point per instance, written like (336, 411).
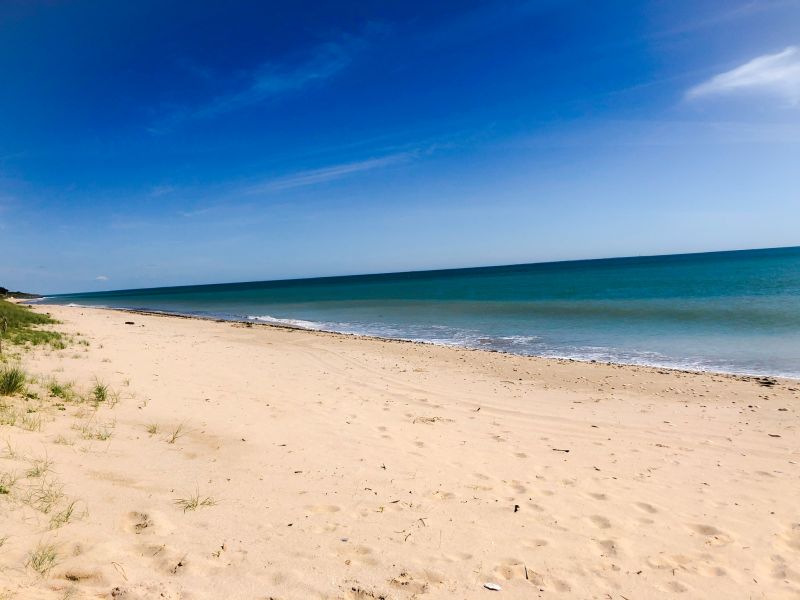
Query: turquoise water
(722, 311)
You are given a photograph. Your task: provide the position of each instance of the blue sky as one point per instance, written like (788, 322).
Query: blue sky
(156, 143)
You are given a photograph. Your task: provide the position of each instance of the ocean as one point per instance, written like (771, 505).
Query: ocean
(736, 312)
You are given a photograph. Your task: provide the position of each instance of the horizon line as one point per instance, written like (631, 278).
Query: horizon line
(420, 271)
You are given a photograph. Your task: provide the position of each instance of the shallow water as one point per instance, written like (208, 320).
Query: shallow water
(723, 311)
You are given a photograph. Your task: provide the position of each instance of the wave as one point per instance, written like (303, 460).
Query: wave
(698, 349)
(300, 323)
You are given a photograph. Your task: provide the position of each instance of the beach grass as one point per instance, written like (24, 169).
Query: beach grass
(8, 415)
(62, 517)
(19, 325)
(43, 558)
(31, 422)
(38, 467)
(10, 451)
(64, 391)
(44, 497)
(12, 380)
(176, 434)
(99, 393)
(7, 483)
(195, 501)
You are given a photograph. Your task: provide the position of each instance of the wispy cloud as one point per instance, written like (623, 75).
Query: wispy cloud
(270, 80)
(102, 278)
(731, 12)
(324, 174)
(244, 195)
(772, 74)
(161, 190)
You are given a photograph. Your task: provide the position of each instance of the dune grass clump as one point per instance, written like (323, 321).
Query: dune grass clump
(7, 483)
(22, 327)
(90, 430)
(10, 451)
(39, 467)
(195, 501)
(63, 516)
(31, 422)
(99, 393)
(177, 433)
(61, 390)
(8, 415)
(45, 497)
(43, 558)
(113, 399)
(12, 380)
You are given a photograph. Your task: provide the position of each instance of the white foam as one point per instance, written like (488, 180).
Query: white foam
(290, 322)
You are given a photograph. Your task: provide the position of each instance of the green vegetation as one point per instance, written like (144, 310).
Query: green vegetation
(31, 422)
(20, 325)
(176, 434)
(12, 381)
(38, 467)
(43, 558)
(45, 497)
(99, 393)
(61, 390)
(100, 432)
(63, 517)
(7, 481)
(195, 501)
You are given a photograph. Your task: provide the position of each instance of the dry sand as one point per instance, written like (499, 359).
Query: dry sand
(342, 467)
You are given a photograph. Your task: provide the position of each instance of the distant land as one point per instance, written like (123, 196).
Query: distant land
(5, 293)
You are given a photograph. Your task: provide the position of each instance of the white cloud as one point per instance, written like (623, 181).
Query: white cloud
(771, 74)
(314, 176)
(101, 278)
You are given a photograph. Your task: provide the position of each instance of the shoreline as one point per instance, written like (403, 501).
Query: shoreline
(249, 323)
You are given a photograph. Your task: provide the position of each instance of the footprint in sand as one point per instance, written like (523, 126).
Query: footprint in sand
(676, 587)
(644, 506)
(536, 543)
(440, 495)
(607, 547)
(322, 508)
(141, 522)
(406, 582)
(359, 593)
(457, 557)
(714, 536)
(79, 575)
(792, 537)
(600, 522)
(359, 555)
(517, 487)
(561, 586)
(515, 569)
(144, 591)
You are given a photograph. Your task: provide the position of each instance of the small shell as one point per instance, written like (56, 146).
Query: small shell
(492, 586)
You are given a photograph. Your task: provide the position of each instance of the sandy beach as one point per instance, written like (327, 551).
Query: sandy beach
(267, 463)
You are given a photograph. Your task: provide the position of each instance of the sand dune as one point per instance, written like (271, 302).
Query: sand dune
(255, 462)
